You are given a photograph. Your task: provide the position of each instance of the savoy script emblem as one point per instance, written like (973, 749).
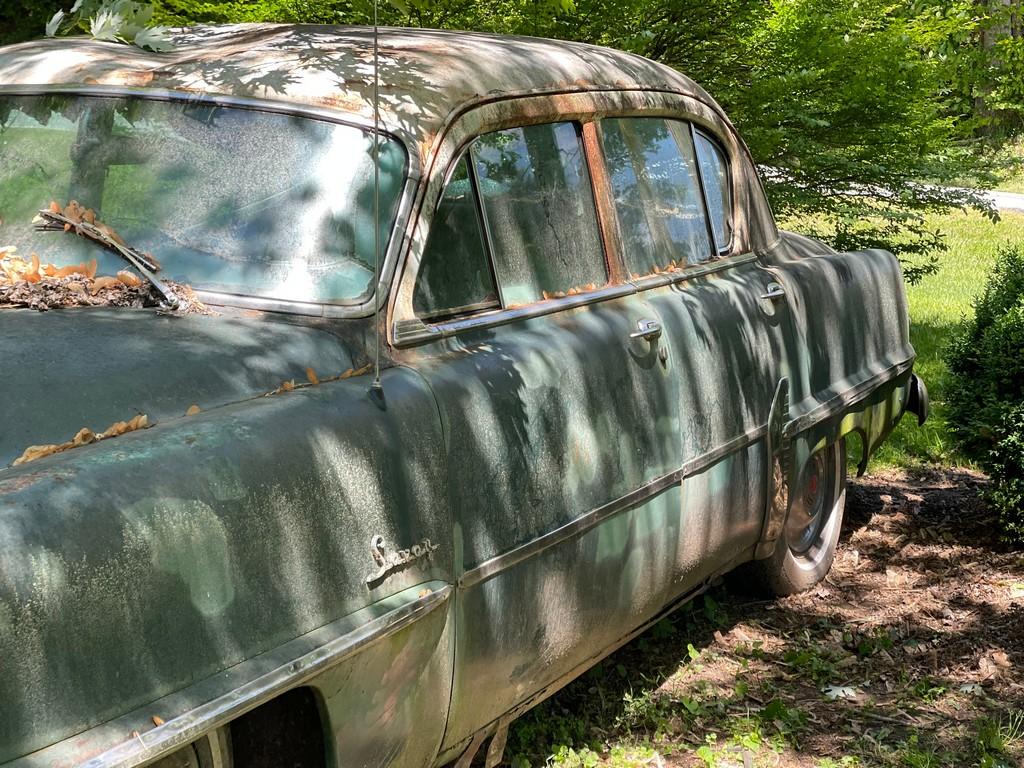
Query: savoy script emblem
(389, 562)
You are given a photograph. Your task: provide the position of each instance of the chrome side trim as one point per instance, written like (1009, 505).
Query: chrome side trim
(698, 464)
(410, 332)
(407, 333)
(595, 517)
(184, 729)
(838, 403)
(694, 466)
(698, 270)
(674, 604)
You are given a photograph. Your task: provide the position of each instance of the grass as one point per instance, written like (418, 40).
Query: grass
(1013, 179)
(937, 304)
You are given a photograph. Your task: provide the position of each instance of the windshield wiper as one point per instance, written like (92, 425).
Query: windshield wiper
(144, 263)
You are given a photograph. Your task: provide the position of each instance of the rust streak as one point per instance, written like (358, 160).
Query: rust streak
(604, 201)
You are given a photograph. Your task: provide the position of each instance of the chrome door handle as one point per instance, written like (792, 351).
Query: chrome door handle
(646, 329)
(773, 291)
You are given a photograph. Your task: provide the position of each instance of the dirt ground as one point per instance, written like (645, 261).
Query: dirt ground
(911, 653)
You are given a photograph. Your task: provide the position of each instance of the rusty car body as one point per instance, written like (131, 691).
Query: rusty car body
(606, 378)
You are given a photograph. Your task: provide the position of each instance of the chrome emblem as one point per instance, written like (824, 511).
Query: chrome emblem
(389, 562)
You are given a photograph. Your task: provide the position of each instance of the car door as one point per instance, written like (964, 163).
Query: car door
(671, 193)
(560, 417)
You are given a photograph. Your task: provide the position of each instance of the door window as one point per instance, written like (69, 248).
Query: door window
(714, 173)
(658, 200)
(539, 210)
(455, 275)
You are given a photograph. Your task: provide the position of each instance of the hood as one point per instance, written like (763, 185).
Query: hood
(69, 369)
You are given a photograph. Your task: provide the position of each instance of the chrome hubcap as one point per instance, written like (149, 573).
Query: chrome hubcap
(807, 512)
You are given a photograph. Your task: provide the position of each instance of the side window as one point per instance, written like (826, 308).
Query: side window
(455, 272)
(658, 200)
(538, 206)
(714, 173)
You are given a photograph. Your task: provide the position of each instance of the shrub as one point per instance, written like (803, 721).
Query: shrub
(986, 392)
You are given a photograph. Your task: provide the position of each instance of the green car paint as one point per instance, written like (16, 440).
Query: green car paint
(544, 477)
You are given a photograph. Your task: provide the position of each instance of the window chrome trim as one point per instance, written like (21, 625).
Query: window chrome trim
(694, 132)
(708, 224)
(413, 332)
(710, 267)
(397, 237)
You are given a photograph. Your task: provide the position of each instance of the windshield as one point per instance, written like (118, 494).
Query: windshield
(227, 199)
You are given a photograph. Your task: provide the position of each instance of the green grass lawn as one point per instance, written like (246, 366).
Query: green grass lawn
(937, 304)
(1013, 179)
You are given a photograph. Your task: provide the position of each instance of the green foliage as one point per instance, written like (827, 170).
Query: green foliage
(993, 740)
(125, 21)
(1006, 468)
(862, 114)
(986, 392)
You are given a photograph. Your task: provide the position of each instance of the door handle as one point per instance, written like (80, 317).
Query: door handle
(773, 291)
(646, 329)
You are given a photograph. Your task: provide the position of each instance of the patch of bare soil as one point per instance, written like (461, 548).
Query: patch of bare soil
(910, 653)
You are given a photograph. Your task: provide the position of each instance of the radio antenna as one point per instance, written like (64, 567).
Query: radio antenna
(376, 388)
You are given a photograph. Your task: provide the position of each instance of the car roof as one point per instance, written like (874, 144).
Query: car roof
(425, 75)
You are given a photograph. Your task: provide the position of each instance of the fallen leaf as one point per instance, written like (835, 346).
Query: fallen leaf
(157, 720)
(356, 372)
(34, 452)
(102, 283)
(130, 279)
(193, 410)
(84, 437)
(311, 375)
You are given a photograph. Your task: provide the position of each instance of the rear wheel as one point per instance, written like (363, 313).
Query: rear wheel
(807, 545)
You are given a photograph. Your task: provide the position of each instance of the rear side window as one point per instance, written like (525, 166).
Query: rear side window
(658, 201)
(539, 211)
(714, 172)
(455, 275)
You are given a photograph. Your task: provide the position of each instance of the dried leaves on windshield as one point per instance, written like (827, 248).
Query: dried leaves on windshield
(85, 436)
(27, 282)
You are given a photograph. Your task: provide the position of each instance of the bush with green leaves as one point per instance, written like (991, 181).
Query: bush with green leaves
(986, 391)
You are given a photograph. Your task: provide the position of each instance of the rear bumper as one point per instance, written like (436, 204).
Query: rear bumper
(917, 399)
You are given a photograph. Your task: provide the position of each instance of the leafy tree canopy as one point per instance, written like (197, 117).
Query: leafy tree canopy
(862, 113)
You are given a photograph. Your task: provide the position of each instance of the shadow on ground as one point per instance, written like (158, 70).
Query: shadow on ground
(911, 653)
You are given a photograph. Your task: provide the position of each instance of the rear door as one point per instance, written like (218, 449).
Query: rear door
(560, 416)
(672, 194)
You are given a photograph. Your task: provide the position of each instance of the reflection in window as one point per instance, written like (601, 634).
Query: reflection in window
(539, 208)
(228, 199)
(455, 274)
(658, 199)
(715, 173)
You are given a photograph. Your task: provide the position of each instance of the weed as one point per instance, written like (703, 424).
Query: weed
(928, 690)
(567, 757)
(813, 662)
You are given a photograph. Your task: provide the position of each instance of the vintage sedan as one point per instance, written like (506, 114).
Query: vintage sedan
(605, 379)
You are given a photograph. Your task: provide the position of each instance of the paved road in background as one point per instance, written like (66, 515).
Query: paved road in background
(1006, 201)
